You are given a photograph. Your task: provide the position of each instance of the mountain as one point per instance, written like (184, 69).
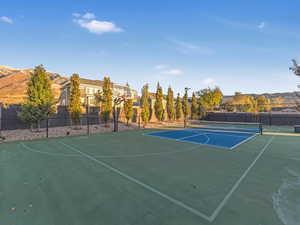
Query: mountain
(13, 84)
(286, 98)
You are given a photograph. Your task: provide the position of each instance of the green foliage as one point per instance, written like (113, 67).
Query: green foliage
(158, 106)
(246, 103)
(75, 104)
(40, 99)
(185, 105)
(243, 103)
(263, 104)
(194, 107)
(178, 107)
(106, 99)
(170, 104)
(128, 109)
(30, 114)
(145, 113)
(201, 111)
(210, 98)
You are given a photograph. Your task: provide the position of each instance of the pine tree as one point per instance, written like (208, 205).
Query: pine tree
(170, 104)
(158, 106)
(185, 105)
(128, 109)
(178, 107)
(107, 98)
(145, 104)
(194, 107)
(75, 104)
(40, 98)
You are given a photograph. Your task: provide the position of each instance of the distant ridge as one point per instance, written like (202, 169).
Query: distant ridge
(13, 84)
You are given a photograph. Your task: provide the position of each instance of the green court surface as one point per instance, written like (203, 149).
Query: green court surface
(128, 178)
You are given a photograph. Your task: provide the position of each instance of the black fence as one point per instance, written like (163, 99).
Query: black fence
(11, 121)
(270, 119)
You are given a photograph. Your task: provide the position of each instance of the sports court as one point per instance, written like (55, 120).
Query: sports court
(132, 178)
(226, 140)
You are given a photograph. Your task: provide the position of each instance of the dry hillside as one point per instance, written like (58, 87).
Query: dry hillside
(13, 84)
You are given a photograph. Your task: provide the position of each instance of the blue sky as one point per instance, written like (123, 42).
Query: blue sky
(242, 46)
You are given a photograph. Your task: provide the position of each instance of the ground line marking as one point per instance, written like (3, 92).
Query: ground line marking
(146, 186)
(236, 185)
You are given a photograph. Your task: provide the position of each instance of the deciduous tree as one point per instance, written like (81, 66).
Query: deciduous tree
(40, 98)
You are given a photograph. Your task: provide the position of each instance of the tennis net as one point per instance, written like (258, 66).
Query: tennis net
(226, 126)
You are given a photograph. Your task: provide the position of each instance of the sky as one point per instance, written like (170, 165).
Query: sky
(244, 46)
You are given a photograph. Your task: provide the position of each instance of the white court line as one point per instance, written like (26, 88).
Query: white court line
(183, 139)
(236, 185)
(110, 156)
(146, 186)
(175, 201)
(242, 142)
(48, 153)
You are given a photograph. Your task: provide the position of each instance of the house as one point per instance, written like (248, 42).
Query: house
(89, 88)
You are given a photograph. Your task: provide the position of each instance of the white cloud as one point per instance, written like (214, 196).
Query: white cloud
(189, 48)
(88, 16)
(6, 19)
(76, 14)
(261, 25)
(172, 72)
(88, 22)
(209, 82)
(161, 66)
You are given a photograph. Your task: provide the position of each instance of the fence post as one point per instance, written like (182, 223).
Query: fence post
(87, 115)
(0, 119)
(47, 127)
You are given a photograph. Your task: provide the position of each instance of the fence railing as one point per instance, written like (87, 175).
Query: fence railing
(270, 119)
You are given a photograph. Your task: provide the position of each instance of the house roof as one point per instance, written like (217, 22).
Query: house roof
(91, 82)
(99, 83)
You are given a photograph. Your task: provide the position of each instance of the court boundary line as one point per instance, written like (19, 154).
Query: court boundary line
(237, 184)
(110, 156)
(184, 141)
(194, 142)
(215, 132)
(244, 141)
(140, 183)
(196, 212)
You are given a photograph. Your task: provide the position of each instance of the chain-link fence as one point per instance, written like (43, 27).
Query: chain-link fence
(276, 119)
(60, 124)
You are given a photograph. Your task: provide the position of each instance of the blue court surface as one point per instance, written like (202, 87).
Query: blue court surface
(222, 139)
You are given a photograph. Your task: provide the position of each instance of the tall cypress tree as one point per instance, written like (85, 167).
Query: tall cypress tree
(170, 104)
(158, 106)
(178, 107)
(145, 104)
(185, 105)
(75, 104)
(107, 98)
(40, 98)
(128, 109)
(194, 107)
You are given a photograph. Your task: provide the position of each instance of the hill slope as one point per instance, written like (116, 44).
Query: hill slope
(13, 84)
